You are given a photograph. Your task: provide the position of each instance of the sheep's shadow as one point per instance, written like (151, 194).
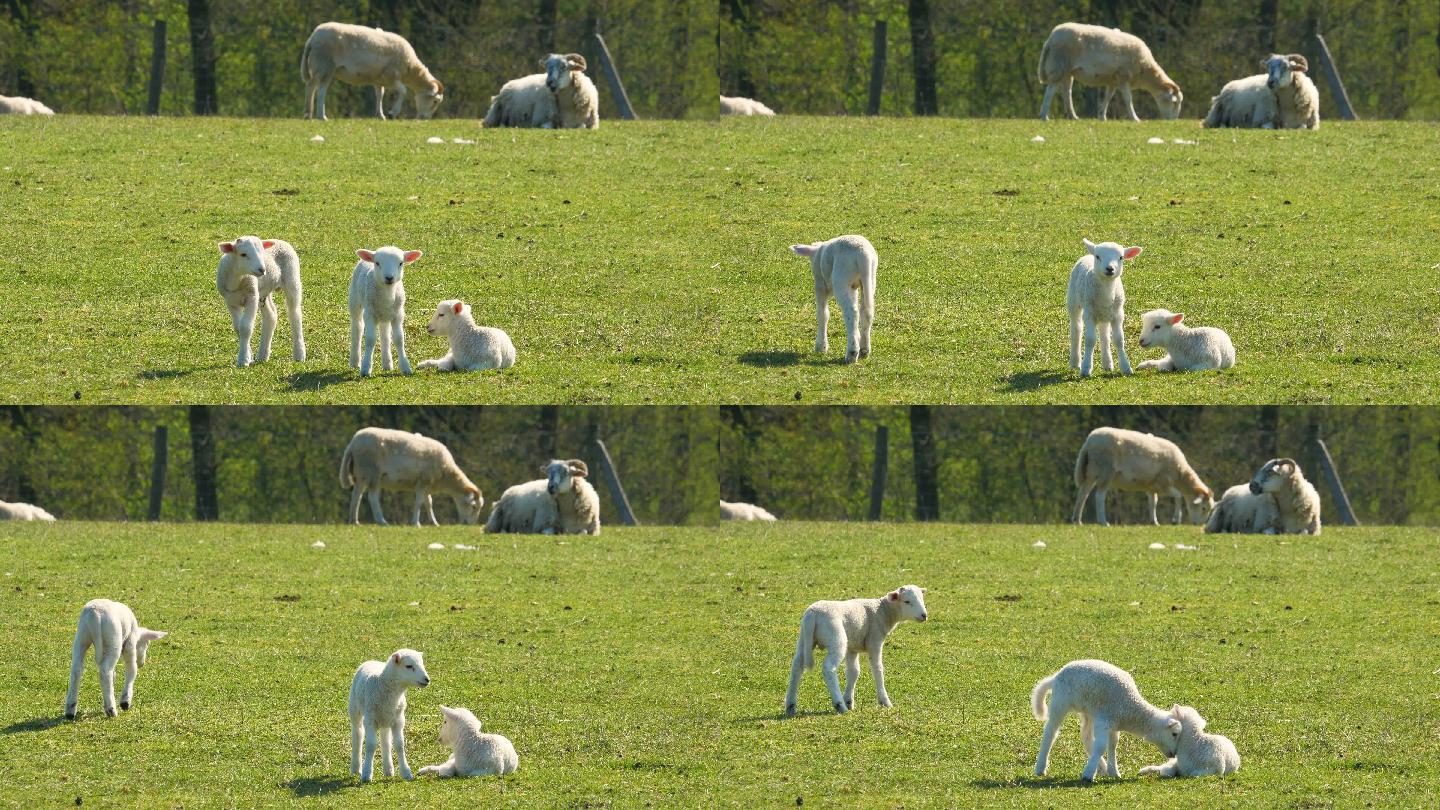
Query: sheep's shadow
(177, 373)
(779, 359)
(316, 380)
(781, 716)
(319, 785)
(1036, 783)
(1035, 380)
(33, 724)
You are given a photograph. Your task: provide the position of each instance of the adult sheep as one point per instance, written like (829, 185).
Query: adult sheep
(562, 97)
(379, 458)
(1112, 458)
(562, 502)
(19, 105)
(1282, 97)
(744, 511)
(357, 54)
(1279, 501)
(1103, 57)
(23, 511)
(734, 105)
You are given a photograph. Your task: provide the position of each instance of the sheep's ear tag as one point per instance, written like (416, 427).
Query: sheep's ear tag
(1132, 252)
(459, 305)
(227, 247)
(1174, 319)
(268, 243)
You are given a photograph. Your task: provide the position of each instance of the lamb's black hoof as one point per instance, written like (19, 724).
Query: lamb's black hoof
(839, 707)
(125, 706)
(790, 710)
(110, 712)
(849, 704)
(69, 715)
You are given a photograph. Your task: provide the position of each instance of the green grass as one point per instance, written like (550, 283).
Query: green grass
(648, 262)
(647, 667)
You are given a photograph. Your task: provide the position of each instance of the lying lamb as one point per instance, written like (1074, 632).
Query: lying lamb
(251, 271)
(19, 105)
(1197, 753)
(562, 502)
(844, 267)
(377, 707)
(476, 754)
(1293, 508)
(1096, 296)
(562, 97)
(377, 300)
(743, 511)
(1108, 702)
(1127, 460)
(356, 54)
(379, 458)
(23, 511)
(1199, 349)
(112, 628)
(734, 105)
(472, 347)
(1103, 57)
(846, 629)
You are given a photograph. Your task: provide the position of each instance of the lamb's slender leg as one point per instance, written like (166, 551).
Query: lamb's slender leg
(77, 670)
(1075, 338)
(822, 318)
(244, 328)
(1107, 359)
(419, 504)
(1101, 734)
(355, 495)
(1087, 735)
(375, 507)
(368, 352)
(1129, 102)
(1045, 102)
(106, 657)
(1152, 501)
(387, 759)
(297, 328)
(797, 668)
(1087, 355)
(832, 679)
(387, 360)
(1047, 740)
(867, 314)
(132, 666)
(877, 671)
(399, 329)
(1079, 517)
(849, 310)
(268, 317)
(430, 509)
(400, 749)
(444, 769)
(355, 737)
(1105, 103)
(852, 677)
(1100, 507)
(356, 317)
(1111, 743)
(367, 763)
(1069, 98)
(1118, 327)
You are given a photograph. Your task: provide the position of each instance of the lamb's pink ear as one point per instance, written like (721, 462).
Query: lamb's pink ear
(1176, 318)
(459, 305)
(227, 247)
(397, 658)
(152, 635)
(365, 254)
(1089, 246)
(268, 243)
(1132, 252)
(894, 596)
(412, 256)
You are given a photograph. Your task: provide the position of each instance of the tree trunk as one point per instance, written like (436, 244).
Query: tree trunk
(739, 416)
(202, 54)
(545, 26)
(922, 48)
(202, 447)
(548, 424)
(23, 13)
(927, 489)
(1267, 18)
(741, 11)
(1269, 430)
(19, 469)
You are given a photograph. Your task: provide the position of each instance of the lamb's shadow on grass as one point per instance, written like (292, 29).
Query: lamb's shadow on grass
(316, 380)
(1036, 783)
(33, 724)
(781, 716)
(177, 373)
(774, 359)
(1035, 380)
(319, 785)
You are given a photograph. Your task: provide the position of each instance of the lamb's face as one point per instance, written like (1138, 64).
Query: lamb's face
(446, 314)
(447, 726)
(911, 599)
(1280, 70)
(248, 252)
(410, 667)
(1274, 476)
(1110, 257)
(1155, 326)
(389, 262)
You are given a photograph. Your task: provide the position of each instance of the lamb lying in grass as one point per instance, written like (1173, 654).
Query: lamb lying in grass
(1199, 349)
(476, 754)
(1197, 753)
(846, 629)
(472, 347)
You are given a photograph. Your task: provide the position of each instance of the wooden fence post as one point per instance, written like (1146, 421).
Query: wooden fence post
(880, 471)
(157, 69)
(1337, 87)
(617, 491)
(877, 72)
(607, 64)
(157, 471)
(1337, 489)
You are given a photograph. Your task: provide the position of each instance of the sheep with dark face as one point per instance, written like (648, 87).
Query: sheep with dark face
(562, 97)
(1282, 97)
(1278, 500)
(562, 502)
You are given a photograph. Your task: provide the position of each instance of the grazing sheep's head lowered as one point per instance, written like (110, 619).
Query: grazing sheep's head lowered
(409, 666)
(561, 475)
(389, 262)
(249, 251)
(560, 69)
(1169, 101)
(1280, 70)
(1110, 257)
(911, 599)
(1274, 476)
(1155, 326)
(453, 720)
(428, 101)
(142, 643)
(447, 313)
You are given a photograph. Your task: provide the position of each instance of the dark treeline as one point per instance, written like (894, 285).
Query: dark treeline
(1016, 464)
(93, 56)
(281, 464)
(813, 56)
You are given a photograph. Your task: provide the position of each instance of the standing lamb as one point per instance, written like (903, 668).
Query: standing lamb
(1127, 460)
(112, 628)
(1108, 702)
(846, 629)
(1096, 297)
(356, 54)
(1200, 349)
(19, 105)
(251, 271)
(1197, 753)
(476, 754)
(1241, 511)
(562, 97)
(377, 299)
(844, 267)
(734, 105)
(1108, 58)
(743, 511)
(377, 707)
(23, 511)
(472, 347)
(1281, 97)
(379, 458)
(562, 502)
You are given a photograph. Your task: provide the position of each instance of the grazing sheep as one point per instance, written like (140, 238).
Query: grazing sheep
(844, 267)
(472, 347)
(1108, 702)
(251, 270)
(379, 458)
(23, 511)
(356, 54)
(562, 97)
(743, 511)
(476, 754)
(1127, 460)
(1108, 58)
(1096, 297)
(112, 628)
(377, 299)
(1197, 753)
(733, 105)
(1241, 511)
(1200, 349)
(377, 706)
(18, 105)
(846, 629)
(562, 502)
(1281, 97)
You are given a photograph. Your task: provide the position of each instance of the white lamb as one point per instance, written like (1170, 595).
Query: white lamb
(844, 267)
(562, 97)
(1281, 97)
(377, 299)
(476, 753)
(1127, 460)
(251, 271)
(379, 458)
(1097, 297)
(1197, 753)
(357, 54)
(563, 502)
(19, 105)
(1296, 507)
(846, 629)
(1108, 58)
(472, 347)
(1241, 511)
(1108, 702)
(734, 105)
(23, 511)
(1199, 349)
(743, 511)
(112, 628)
(377, 707)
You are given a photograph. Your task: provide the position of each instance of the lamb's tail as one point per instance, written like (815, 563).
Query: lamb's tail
(805, 647)
(1037, 698)
(347, 469)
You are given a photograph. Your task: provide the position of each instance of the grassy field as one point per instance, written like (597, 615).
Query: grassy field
(648, 262)
(648, 667)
